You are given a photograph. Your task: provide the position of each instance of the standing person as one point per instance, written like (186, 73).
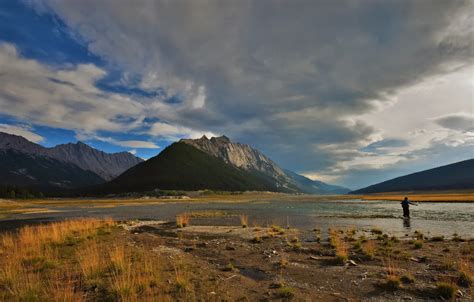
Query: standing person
(406, 207)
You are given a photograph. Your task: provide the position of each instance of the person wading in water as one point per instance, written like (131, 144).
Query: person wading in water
(406, 207)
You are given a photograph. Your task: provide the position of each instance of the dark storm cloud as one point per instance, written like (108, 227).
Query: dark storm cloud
(290, 77)
(459, 121)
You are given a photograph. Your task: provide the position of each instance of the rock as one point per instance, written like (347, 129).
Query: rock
(415, 259)
(407, 298)
(351, 262)
(459, 293)
(202, 244)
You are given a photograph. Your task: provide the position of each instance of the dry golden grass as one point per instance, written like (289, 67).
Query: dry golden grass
(392, 281)
(244, 220)
(369, 248)
(74, 261)
(31, 264)
(90, 260)
(182, 220)
(441, 197)
(340, 246)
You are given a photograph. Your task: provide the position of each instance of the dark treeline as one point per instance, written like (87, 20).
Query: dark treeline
(14, 192)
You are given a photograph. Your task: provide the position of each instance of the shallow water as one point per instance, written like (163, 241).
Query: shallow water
(430, 218)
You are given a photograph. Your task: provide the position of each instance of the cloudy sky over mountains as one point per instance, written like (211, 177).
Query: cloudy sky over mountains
(351, 92)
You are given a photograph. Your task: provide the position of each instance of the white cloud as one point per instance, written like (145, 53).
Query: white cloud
(123, 143)
(133, 151)
(60, 97)
(21, 130)
(66, 97)
(137, 144)
(173, 132)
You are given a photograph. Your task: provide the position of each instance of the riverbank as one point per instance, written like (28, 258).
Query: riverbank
(422, 197)
(94, 259)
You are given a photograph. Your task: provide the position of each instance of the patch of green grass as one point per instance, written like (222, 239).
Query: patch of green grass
(286, 292)
(229, 267)
(418, 244)
(278, 229)
(358, 245)
(297, 246)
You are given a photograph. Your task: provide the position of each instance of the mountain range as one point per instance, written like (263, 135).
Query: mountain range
(190, 164)
(25, 163)
(217, 164)
(456, 176)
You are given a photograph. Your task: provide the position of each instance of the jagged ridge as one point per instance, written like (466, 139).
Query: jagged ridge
(103, 164)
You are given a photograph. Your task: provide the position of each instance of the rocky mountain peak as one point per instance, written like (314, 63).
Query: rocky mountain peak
(84, 156)
(220, 139)
(239, 155)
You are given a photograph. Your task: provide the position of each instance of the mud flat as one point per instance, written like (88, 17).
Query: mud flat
(94, 260)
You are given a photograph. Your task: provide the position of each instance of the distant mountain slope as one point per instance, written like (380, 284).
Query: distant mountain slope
(103, 164)
(455, 176)
(41, 172)
(184, 167)
(249, 159)
(315, 187)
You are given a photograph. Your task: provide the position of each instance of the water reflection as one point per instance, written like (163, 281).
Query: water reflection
(406, 223)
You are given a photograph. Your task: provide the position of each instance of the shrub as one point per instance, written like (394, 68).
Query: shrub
(446, 290)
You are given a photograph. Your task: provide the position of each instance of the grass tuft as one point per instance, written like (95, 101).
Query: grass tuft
(244, 220)
(418, 244)
(182, 220)
(446, 290)
(286, 292)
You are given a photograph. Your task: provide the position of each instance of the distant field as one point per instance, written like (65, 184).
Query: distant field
(428, 197)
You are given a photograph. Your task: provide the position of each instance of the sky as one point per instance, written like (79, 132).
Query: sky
(347, 92)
